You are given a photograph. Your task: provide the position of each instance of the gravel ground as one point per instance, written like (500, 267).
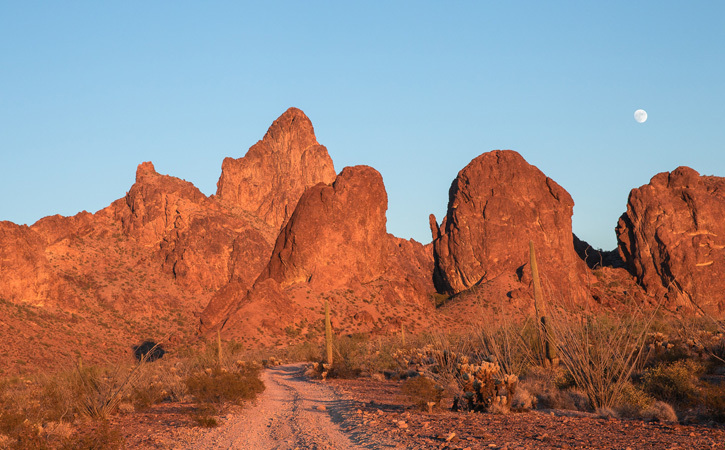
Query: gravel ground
(292, 413)
(297, 413)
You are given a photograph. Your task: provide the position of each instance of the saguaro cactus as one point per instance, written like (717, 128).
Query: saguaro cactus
(220, 354)
(546, 341)
(328, 334)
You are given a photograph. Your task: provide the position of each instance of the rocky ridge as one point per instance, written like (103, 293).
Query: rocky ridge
(269, 180)
(672, 238)
(283, 232)
(335, 245)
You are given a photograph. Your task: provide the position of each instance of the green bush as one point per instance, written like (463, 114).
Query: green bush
(357, 354)
(218, 385)
(675, 382)
(633, 401)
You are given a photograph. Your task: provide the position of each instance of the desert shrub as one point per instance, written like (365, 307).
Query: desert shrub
(94, 435)
(523, 399)
(600, 352)
(675, 382)
(552, 389)
(205, 415)
(350, 356)
(27, 437)
(303, 351)
(358, 355)
(159, 382)
(510, 345)
(11, 421)
(633, 401)
(475, 384)
(421, 391)
(26, 405)
(714, 402)
(219, 385)
(143, 397)
(659, 411)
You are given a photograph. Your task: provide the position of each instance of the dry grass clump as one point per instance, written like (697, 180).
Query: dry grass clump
(659, 411)
(552, 389)
(674, 382)
(422, 391)
(358, 355)
(70, 409)
(219, 385)
(45, 412)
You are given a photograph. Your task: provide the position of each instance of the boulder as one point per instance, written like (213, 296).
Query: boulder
(336, 234)
(672, 238)
(497, 204)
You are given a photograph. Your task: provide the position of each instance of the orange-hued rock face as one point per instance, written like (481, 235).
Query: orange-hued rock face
(672, 238)
(335, 246)
(497, 204)
(336, 234)
(269, 180)
(26, 275)
(196, 241)
(284, 233)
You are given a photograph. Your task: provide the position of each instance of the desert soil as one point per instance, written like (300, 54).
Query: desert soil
(297, 413)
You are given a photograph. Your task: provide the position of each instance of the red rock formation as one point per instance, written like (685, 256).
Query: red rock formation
(161, 253)
(497, 204)
(26, 276)
(672, 238)
(158, 204)
(336, 234)
(335, 246)
(337, 238)
(198, 242)
(269, 180)
(56, 227)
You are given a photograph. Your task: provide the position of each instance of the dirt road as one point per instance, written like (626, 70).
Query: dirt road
(293, 413)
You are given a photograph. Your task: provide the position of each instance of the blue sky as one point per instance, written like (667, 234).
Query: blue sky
(88, 90)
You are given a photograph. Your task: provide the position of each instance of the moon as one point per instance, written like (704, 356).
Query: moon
(640, 116)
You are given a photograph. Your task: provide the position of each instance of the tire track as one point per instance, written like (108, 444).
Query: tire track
(292, 413)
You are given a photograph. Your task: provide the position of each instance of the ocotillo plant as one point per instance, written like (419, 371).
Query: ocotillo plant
(545, 339)
(402, 333)
(219, 346)
(328, 334)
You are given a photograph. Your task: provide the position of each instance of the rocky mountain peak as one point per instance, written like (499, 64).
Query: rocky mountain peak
(269, 180)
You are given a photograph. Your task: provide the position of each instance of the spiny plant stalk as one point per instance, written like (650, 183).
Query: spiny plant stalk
(545, 338)
(328, 333)
(219, 346)
(402, 332)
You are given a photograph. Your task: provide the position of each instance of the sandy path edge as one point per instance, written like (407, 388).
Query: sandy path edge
(293, 412)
